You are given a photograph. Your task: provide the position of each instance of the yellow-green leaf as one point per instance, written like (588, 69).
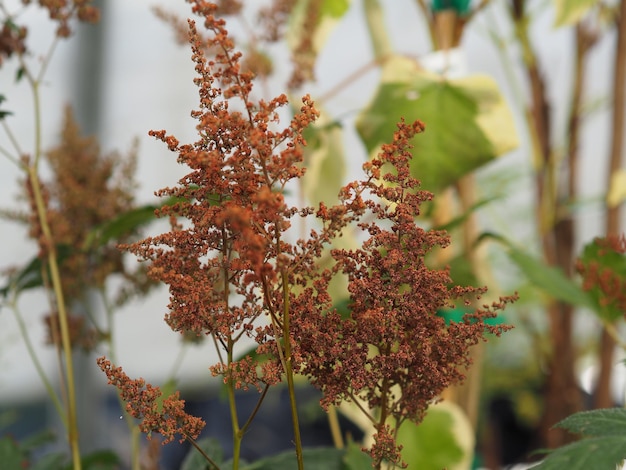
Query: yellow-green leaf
(468, 123)
(617, 189)
(324, 161)
(569, 12)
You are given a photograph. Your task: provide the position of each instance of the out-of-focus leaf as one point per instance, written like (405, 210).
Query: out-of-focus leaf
(11, 455)
(194, 459)
(445, 439)
(124, 224)
(549, 279)
(322, 458)
(29, 277)
(355, 458)
(604, 450)
(330, 12)
(617, 189)
(461, 271)
(4, 114)
(101, 460)
(457, 221)
(569, 12)
(167, 389)
(468, 123)
(56, 461)
(324, 160)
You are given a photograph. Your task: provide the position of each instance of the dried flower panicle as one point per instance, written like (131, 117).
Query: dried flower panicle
(82, 336)
(167, 418)
(12, 40)
(234, 271)
(13, 36)
(63, 11)
(394, 352)
(86, 190)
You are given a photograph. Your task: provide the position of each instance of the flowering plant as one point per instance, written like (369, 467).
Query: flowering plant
(235, 271)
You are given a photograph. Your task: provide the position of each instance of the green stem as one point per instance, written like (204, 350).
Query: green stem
(377, 29)
(335, 428)
(63, 317)
(237, 435)
(33, 356)
(55, 275)
(289, 373)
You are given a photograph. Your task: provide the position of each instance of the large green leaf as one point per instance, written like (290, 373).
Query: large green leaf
(467, 121)
(444, 439)
(569, 12)
(604, 450)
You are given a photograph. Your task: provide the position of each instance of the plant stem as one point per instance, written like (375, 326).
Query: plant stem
(237, 435)
(289, 373)
(55, 275)
(63, 318)
(376, 28)
(33, 357)
(335, 428)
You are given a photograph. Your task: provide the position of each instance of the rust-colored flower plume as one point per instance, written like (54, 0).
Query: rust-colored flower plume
(235, 270)
(142, 402)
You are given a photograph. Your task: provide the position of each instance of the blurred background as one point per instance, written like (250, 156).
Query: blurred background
(126, 75)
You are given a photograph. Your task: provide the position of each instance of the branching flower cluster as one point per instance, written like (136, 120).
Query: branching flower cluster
(167, 418)
(234, 271)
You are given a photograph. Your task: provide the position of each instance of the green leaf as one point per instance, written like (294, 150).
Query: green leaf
(334, 8)
(194, 459)
(604, 450)
(444, 439)
(101, 460)
(56, 461)
(11, 455)
(603, 422)
(549, 279)
(124, 224)
(569, 12)
(19, 74)
(29, 277)
(322, 458)
(467, 121)
(330, 13)
(167, 389)
(324, 160)
(355, 458)
(3, 114)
